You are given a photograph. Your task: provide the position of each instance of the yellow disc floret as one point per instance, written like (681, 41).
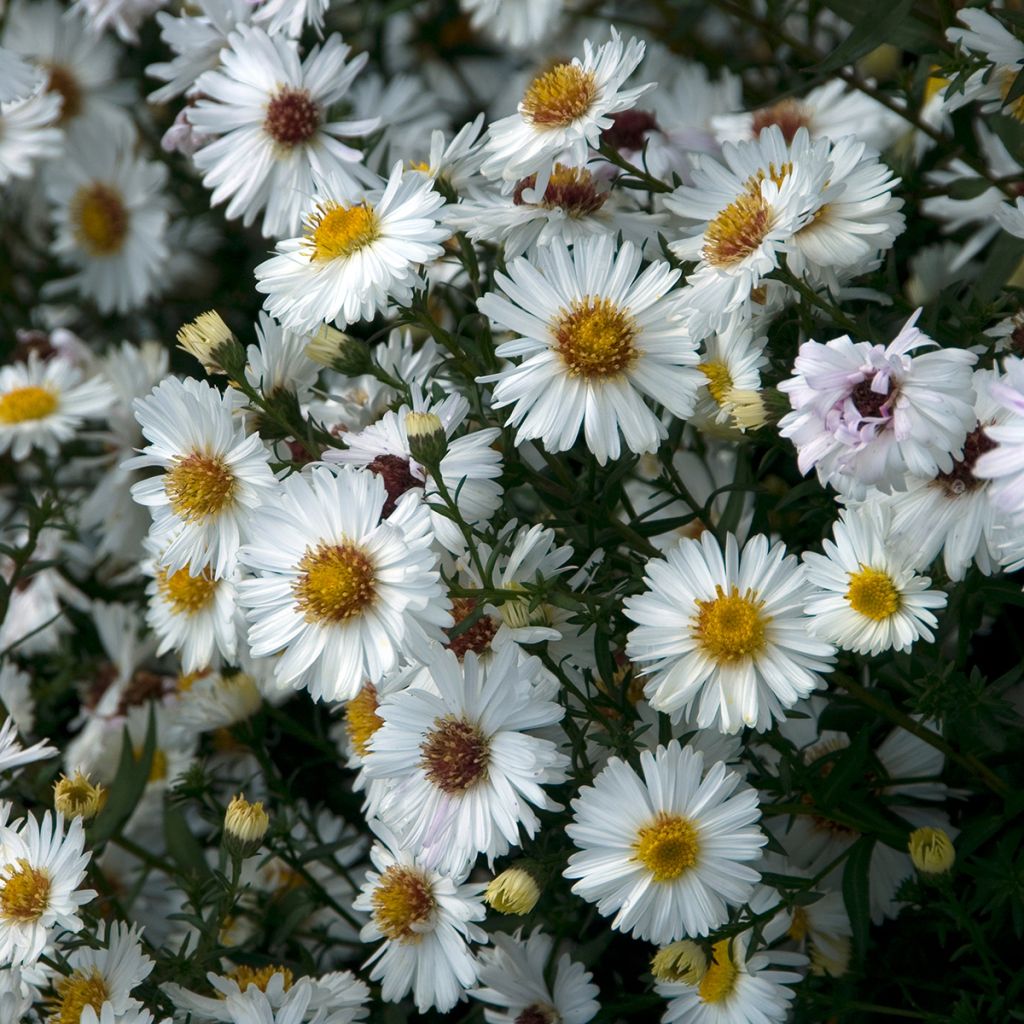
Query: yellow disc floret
(719, 380)
(873, 594)
(75, 993)
(667, 847)
(402, 899)
(738, 230)
(719, 980)
(336, 582)
(22, 405)
(186, 594)
(244, 976)
(335, 230)
(199, 486)
(24, 892)
(558, 97)
(731, 627)
(361, 718)
(99, 219)
(595, 338)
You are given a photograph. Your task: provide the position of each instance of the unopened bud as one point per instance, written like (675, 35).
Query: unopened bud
(211, 341)
(77, 797)
(747, 408)
(683, 961)
(931, 850)
(514, 891)
(245, 825)
(340, 351)
(427, 439)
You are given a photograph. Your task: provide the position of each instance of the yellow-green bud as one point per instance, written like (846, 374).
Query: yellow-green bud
(427, 439)
(340, 351)
(211, 341)
(747, 408)
(931, 850)
(514, 891)
(683, 961)
(77, 797)
(245, 825)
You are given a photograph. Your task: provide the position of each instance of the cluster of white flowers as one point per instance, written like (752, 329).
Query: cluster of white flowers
(478, 502)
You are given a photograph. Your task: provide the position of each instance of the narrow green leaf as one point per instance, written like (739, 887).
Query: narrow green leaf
(128, 786)
(874, 25)
(857, 893)
(182, 846)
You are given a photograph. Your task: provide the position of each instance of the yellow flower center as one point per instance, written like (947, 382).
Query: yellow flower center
(595, 338)
(934, 85)
(873, 594)
(361, 718)
(187, 594)
(199, 486)
(402, 899)
(719, 380)
(719, 981)
(558, 97)
(738, 230)
(668, 847)
(25, 894)
(20, 405)
(1016, 108)
(455, 754)
(158, 766)
(799, 926)
(336, 582)
(334, 230)
(731, 626)
(75, 993)
(244, 976)
(100, 219)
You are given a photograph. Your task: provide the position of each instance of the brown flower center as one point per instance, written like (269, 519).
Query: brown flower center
(455, 754)
(292, 117)
(571, 189)
(961, 479)
(476, 638)
(789, 115)
(397, 476)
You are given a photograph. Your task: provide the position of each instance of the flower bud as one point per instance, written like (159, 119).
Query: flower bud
(245, 825)
(514, 891)
(211, 341)
(931, 850)
(683, 961)
(77, 797)
(427, 439)
(340, 351)
(747, 408)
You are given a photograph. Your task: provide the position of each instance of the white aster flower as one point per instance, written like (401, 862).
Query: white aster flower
(218, 700)
(1004, 465)
(731, 361)
(13, 755)
(465, 770)
(867, 415)
(18, 79)
(359, 252)
(123, 16)
(665, 853)
(596, 339)
(28, 134)
(455, 164)
(873, 600)
(289, 16)
(44, 404)
(107, 1015)
(279, 362)
(275, 147)
(563, 112)
(41, 868)
(725, 635)
(516, 23)
(745, 215)
(469, 469)
(214, 474)
(425, 918)
(103, 976)
(110, 215)
(987, 36)
(342, 594)
(513, 983)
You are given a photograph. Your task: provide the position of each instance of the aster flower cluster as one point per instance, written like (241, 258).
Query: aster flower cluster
(511, 512)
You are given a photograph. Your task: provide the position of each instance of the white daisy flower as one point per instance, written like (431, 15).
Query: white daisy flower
(196, 37)
(867, 414)
(1004, 464)
(44, 404)
(515, 23)
(17, 994)
(13, 755)
(596, 338)
(41, 868)
(725, 635)
(342, 594)
(987, 36)
(214, 474)
(873, 600)
(122, 16)
(953, 514)
(514, 987)
(103, 976)
(107, 1016)
(425, 918)
(279, 361)
(218, 700)
(455, 164)
(76, 65)
(192, 614)
(574, 206)
(563, 112)
(665, 853)
(470, 469)
(831, 111)
(731, 360)
(28, 134)
(110, 214)
(465, 771)
(289, 16)
(18, 79)
(275, 147)
(358, 253)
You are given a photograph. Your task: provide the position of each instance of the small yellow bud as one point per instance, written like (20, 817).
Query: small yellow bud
(747, 407)
(340, 351)
(931, 850)
(427, 439)
(77, 797)
(244, 823)
(683, 961)
(882, 62)
(514, 891)
(204, 338)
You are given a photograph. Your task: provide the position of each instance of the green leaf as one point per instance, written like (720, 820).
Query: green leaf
(128, 786)
(968, 188)
(857, 892)
(182, 846)
(908, 33)
(874, 24)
